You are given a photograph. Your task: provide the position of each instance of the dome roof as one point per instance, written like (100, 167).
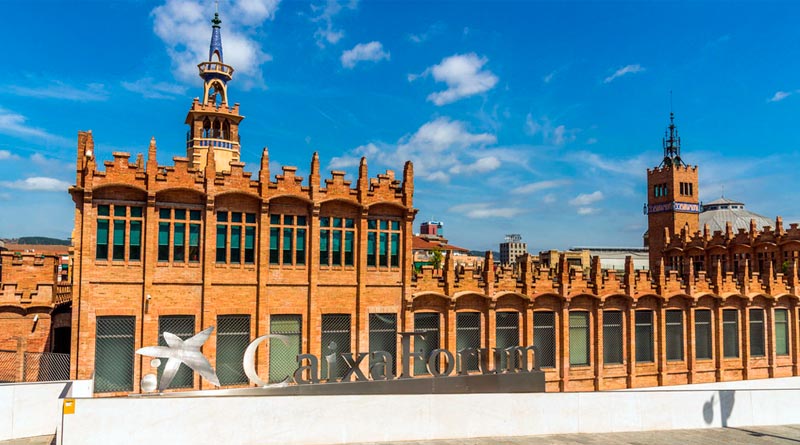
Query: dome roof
(719, 211)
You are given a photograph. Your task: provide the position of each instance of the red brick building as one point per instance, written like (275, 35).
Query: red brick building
(327, 263)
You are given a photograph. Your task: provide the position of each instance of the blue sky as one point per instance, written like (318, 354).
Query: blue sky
(536, 118)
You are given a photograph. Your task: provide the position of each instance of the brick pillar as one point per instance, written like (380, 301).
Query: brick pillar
(527, 325)
(598, 349)
(794, 344)
(491, 331)
(630, 326)
(691, 358)
(314, 318)
(261, 322)
(449, 331)
(661, 341)
(22, 346)
(718, 342)
(770, 328)
(563, 354)
(745, 341)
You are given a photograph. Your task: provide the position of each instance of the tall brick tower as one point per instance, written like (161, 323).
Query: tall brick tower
(672, 196)
(213, 124)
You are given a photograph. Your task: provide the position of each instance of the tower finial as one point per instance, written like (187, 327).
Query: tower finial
(671, 141)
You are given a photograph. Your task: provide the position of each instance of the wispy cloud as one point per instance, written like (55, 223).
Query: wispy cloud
(16, 125)
(364, 52)
(485, 210)
(56, 89)
(326, 33)
(184, 27)
(39, 183)
(464, 75)
(585, 199)
(7, 155)
(779, 96)
(627, 69)
(149, 88)
(539, 186)
(550, 134)
(629, 167)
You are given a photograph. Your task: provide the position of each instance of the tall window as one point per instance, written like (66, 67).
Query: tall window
(335, 340)
(383, 243)
(183, 327)
(233, 337)
(702, 334)
(612, 337)
(122, 231)
(644, 336)
(578, 338)
(781, 332)
(730, 333)
(336, 241)
(383, 336)
(675, 335)
(468, 335)
(113, 356)
(544, 338)
(236, 234)
(283, 356)
(507, 335)
(426, 323)
(287, 239)
(757, 347)
(182, 227)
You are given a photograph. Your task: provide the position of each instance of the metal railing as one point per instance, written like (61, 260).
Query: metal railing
(216, 67)
(211, 142)
(33, 366)
(63, 294)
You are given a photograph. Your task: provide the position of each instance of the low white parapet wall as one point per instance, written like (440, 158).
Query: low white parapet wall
(34, 409)
(347, 419)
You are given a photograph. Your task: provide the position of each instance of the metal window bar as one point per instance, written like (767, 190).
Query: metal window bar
(233, 336)
(507, 335)
(730, 333)
(757, 347)
(579, 338)
(183, 327)
(426, 323)
(113, 363)
(544, 338)
(383, 336)
(702, 333)
(612, 337)
(283, 356)
(9, 366)
(45, 367)
(335, 340)
(674, 333)
(468, 335)
(644, 336)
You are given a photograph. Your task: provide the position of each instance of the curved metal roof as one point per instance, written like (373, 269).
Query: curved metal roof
(719, 211)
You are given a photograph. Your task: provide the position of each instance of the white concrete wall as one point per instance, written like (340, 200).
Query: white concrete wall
(343, 419)
(29, 409)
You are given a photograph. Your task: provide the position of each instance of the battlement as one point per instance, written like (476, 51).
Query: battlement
(197, 106)
(665, 169)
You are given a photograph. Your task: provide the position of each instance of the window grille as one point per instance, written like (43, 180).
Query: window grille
(335, 340)
(425, 323)
(578, 338)
(233, 337)
(612, 337)
(757, 348)
(183, 327)
(283, 356)
(383, 336)
(730, 333)
(287, 239)
(644, 336)
(113, 365)
(702, 333)
(468, 335)
(336, 241)
(674, 333)
(507, 335)
(781, 332)
(544, 338)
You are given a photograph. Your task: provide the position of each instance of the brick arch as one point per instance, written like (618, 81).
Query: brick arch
(678, 301)
(471, 301)
(224, 197)
(387, 208)
(289, 199)
(120, 191)
(183, 195)
(341, 201)
(548, 301)
(510, 301)
(616, 302)
(429, 301)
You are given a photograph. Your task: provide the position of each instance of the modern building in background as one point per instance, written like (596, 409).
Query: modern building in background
(512, 248)
(430, 240)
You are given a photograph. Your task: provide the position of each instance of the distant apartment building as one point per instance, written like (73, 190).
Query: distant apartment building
(512, 248)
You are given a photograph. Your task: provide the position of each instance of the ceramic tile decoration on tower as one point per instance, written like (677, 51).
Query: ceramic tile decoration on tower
(178, 248)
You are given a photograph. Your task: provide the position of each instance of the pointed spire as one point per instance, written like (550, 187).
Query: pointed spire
(263, 174)
(216, 39)
(779, 226)
(363, 180)
(408, 184)
(672, 143)
(313, 177)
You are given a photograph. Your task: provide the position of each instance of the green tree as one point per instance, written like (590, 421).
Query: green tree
(437, 258)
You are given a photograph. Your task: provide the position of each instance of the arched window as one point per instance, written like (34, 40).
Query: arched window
(206, 128)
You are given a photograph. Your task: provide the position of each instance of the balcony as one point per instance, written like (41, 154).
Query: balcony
(226, 71)
(63, 294)
(212, 142)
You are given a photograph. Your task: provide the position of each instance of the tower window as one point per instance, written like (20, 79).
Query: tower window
(660, 190)
(687, 188)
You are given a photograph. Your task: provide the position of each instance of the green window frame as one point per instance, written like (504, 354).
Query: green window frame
(102, 240)
(579, 353)
(287, 240)
(236, 237)
(757, 333)
(113, 361)
(122, 232)
(704, 348)
(383, 243)
(179, 235)
(730, 333)
(336, 241)
(644, 336)
(283, 356)
(781, 332)
(612, 337)
(233, 337)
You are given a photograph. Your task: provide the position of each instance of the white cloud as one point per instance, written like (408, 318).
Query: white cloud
(779, 96)
(436, 28)
(184, 26)
(372, 52)
(149, 88)
(627, 69)
(551, 135)
(482, 165)
(549, 198)
(59, 90)
(629, 167)
(539, 186)
(7, 155)
(326, 33)
(587, 211)
(14, 124)
(48, 165)
(464, 76)
(38, 183)
(484, 210)
(584, 199)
